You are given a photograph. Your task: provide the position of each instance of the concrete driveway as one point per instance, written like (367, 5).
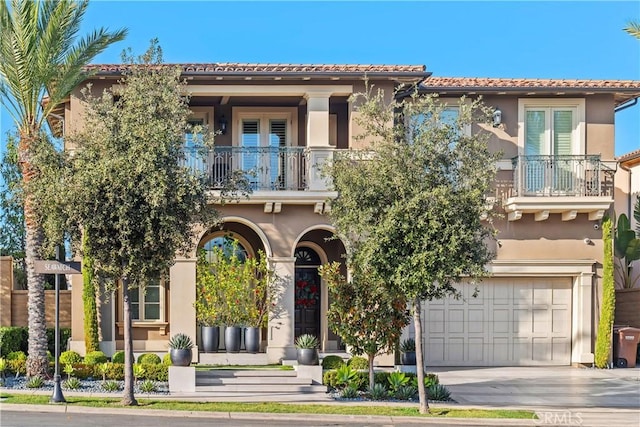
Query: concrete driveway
(555, 387)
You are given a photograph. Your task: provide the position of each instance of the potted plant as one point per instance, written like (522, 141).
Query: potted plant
(307, 349)
(408, 352)
(260, 296)
(208, 304)
(180, 346)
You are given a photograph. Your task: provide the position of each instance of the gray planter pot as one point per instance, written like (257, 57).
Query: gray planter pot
(210, 336)
(232, 340)
(408, 358)
(180, 356)
(252, 339)
(308, 356)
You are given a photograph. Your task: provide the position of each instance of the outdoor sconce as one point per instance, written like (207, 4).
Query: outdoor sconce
(222, 125)
(497, 118)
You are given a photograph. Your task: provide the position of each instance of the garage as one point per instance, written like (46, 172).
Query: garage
(512, 322)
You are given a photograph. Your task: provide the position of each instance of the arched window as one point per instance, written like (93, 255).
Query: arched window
(227, 243)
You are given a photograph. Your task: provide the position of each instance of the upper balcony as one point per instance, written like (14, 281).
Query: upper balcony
(564, 184)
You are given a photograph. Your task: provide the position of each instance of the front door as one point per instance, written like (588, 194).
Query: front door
(307, 292)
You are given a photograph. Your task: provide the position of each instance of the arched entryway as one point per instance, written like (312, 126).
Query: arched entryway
(307, 289)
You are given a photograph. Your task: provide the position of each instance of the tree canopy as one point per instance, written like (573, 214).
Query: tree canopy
(411, 207)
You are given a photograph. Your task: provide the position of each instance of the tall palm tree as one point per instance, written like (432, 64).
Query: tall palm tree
(633, 28)
(41, 57)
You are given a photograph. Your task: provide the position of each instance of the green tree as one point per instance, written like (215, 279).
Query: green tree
(89, 293)
(605, 325)
(415, 199)
(12, 233)
(41, 58)
(129, 189)
(368, 315)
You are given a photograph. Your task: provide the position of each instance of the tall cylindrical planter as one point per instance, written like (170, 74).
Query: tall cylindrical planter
(232, 340)
(252, 339)
(210, 336)
(408, 358)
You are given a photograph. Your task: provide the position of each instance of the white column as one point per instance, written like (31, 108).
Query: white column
(280, 331)
(182, 293)
(582, 319)
(318, 137)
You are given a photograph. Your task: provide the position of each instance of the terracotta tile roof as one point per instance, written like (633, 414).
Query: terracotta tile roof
(233, 67)
(632, 157)
(514, 84)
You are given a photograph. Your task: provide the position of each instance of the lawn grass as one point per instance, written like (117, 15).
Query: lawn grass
(273, 407)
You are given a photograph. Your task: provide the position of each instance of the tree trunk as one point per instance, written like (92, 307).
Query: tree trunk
(371, 376)
(37, 361)
(422, 392)
(128, 399)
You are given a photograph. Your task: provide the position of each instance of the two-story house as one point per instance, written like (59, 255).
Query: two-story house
(283, 121)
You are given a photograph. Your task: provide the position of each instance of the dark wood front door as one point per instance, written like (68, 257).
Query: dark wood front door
(307, 292)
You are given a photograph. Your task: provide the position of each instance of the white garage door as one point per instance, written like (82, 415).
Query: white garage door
(512, 322)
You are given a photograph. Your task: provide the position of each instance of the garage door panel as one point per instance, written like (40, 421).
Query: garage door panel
(518, 321)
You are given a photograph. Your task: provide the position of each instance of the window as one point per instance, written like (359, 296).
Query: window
(227, 244)
(263, 139)
(551, 126)
(148, 304)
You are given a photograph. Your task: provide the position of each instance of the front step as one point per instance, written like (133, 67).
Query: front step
(226, 381)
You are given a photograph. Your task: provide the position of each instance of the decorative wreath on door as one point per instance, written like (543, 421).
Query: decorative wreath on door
(307, 294)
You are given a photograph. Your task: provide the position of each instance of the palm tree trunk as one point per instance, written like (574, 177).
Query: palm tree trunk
(128, 399)
(37, 361)
(422, 392)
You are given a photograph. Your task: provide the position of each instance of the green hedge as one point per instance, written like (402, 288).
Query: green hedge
(16, 338)
(115, 371)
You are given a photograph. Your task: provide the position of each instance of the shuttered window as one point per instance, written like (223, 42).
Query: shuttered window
(550, 131)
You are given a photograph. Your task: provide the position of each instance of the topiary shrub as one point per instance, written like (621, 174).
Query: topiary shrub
(118, 357)
(115, 371)
(95, 357)
(17, 366)
(84, 371)
(332, 362)
(149, 359)
(70, 357)
(358, 362)
(603, 340)
(166, 360)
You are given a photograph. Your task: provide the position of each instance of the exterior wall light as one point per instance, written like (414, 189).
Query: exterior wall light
(222, 124)
(497, 117)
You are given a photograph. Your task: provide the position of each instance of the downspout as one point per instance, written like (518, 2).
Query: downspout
(625, 106)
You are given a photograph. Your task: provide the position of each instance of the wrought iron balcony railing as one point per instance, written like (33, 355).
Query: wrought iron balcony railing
(266, 168)
(561, 175)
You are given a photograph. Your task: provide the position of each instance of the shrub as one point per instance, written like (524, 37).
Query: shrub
(147, 386)
(115, 371)
(35, 382)
(405, 392)
(358, 362)
(349, 392)
(95, 357)
(83, 371)
(17, 355)
(332, 362)
(397, 380)
(111, 385)
(180, 342)
(13, 338)
(118, 357)
(166, 360)
(155, 372)
(149, 359)
(378, 392)
(72, 384)
(70, 357)
(408, 345)
(65, 334)
(438, 392)
(306, 341)
(17, 367)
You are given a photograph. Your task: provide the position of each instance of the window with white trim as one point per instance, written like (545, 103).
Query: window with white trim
(551, 126)
(147, 304)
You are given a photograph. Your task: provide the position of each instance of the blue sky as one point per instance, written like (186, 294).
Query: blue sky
(562, 39)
